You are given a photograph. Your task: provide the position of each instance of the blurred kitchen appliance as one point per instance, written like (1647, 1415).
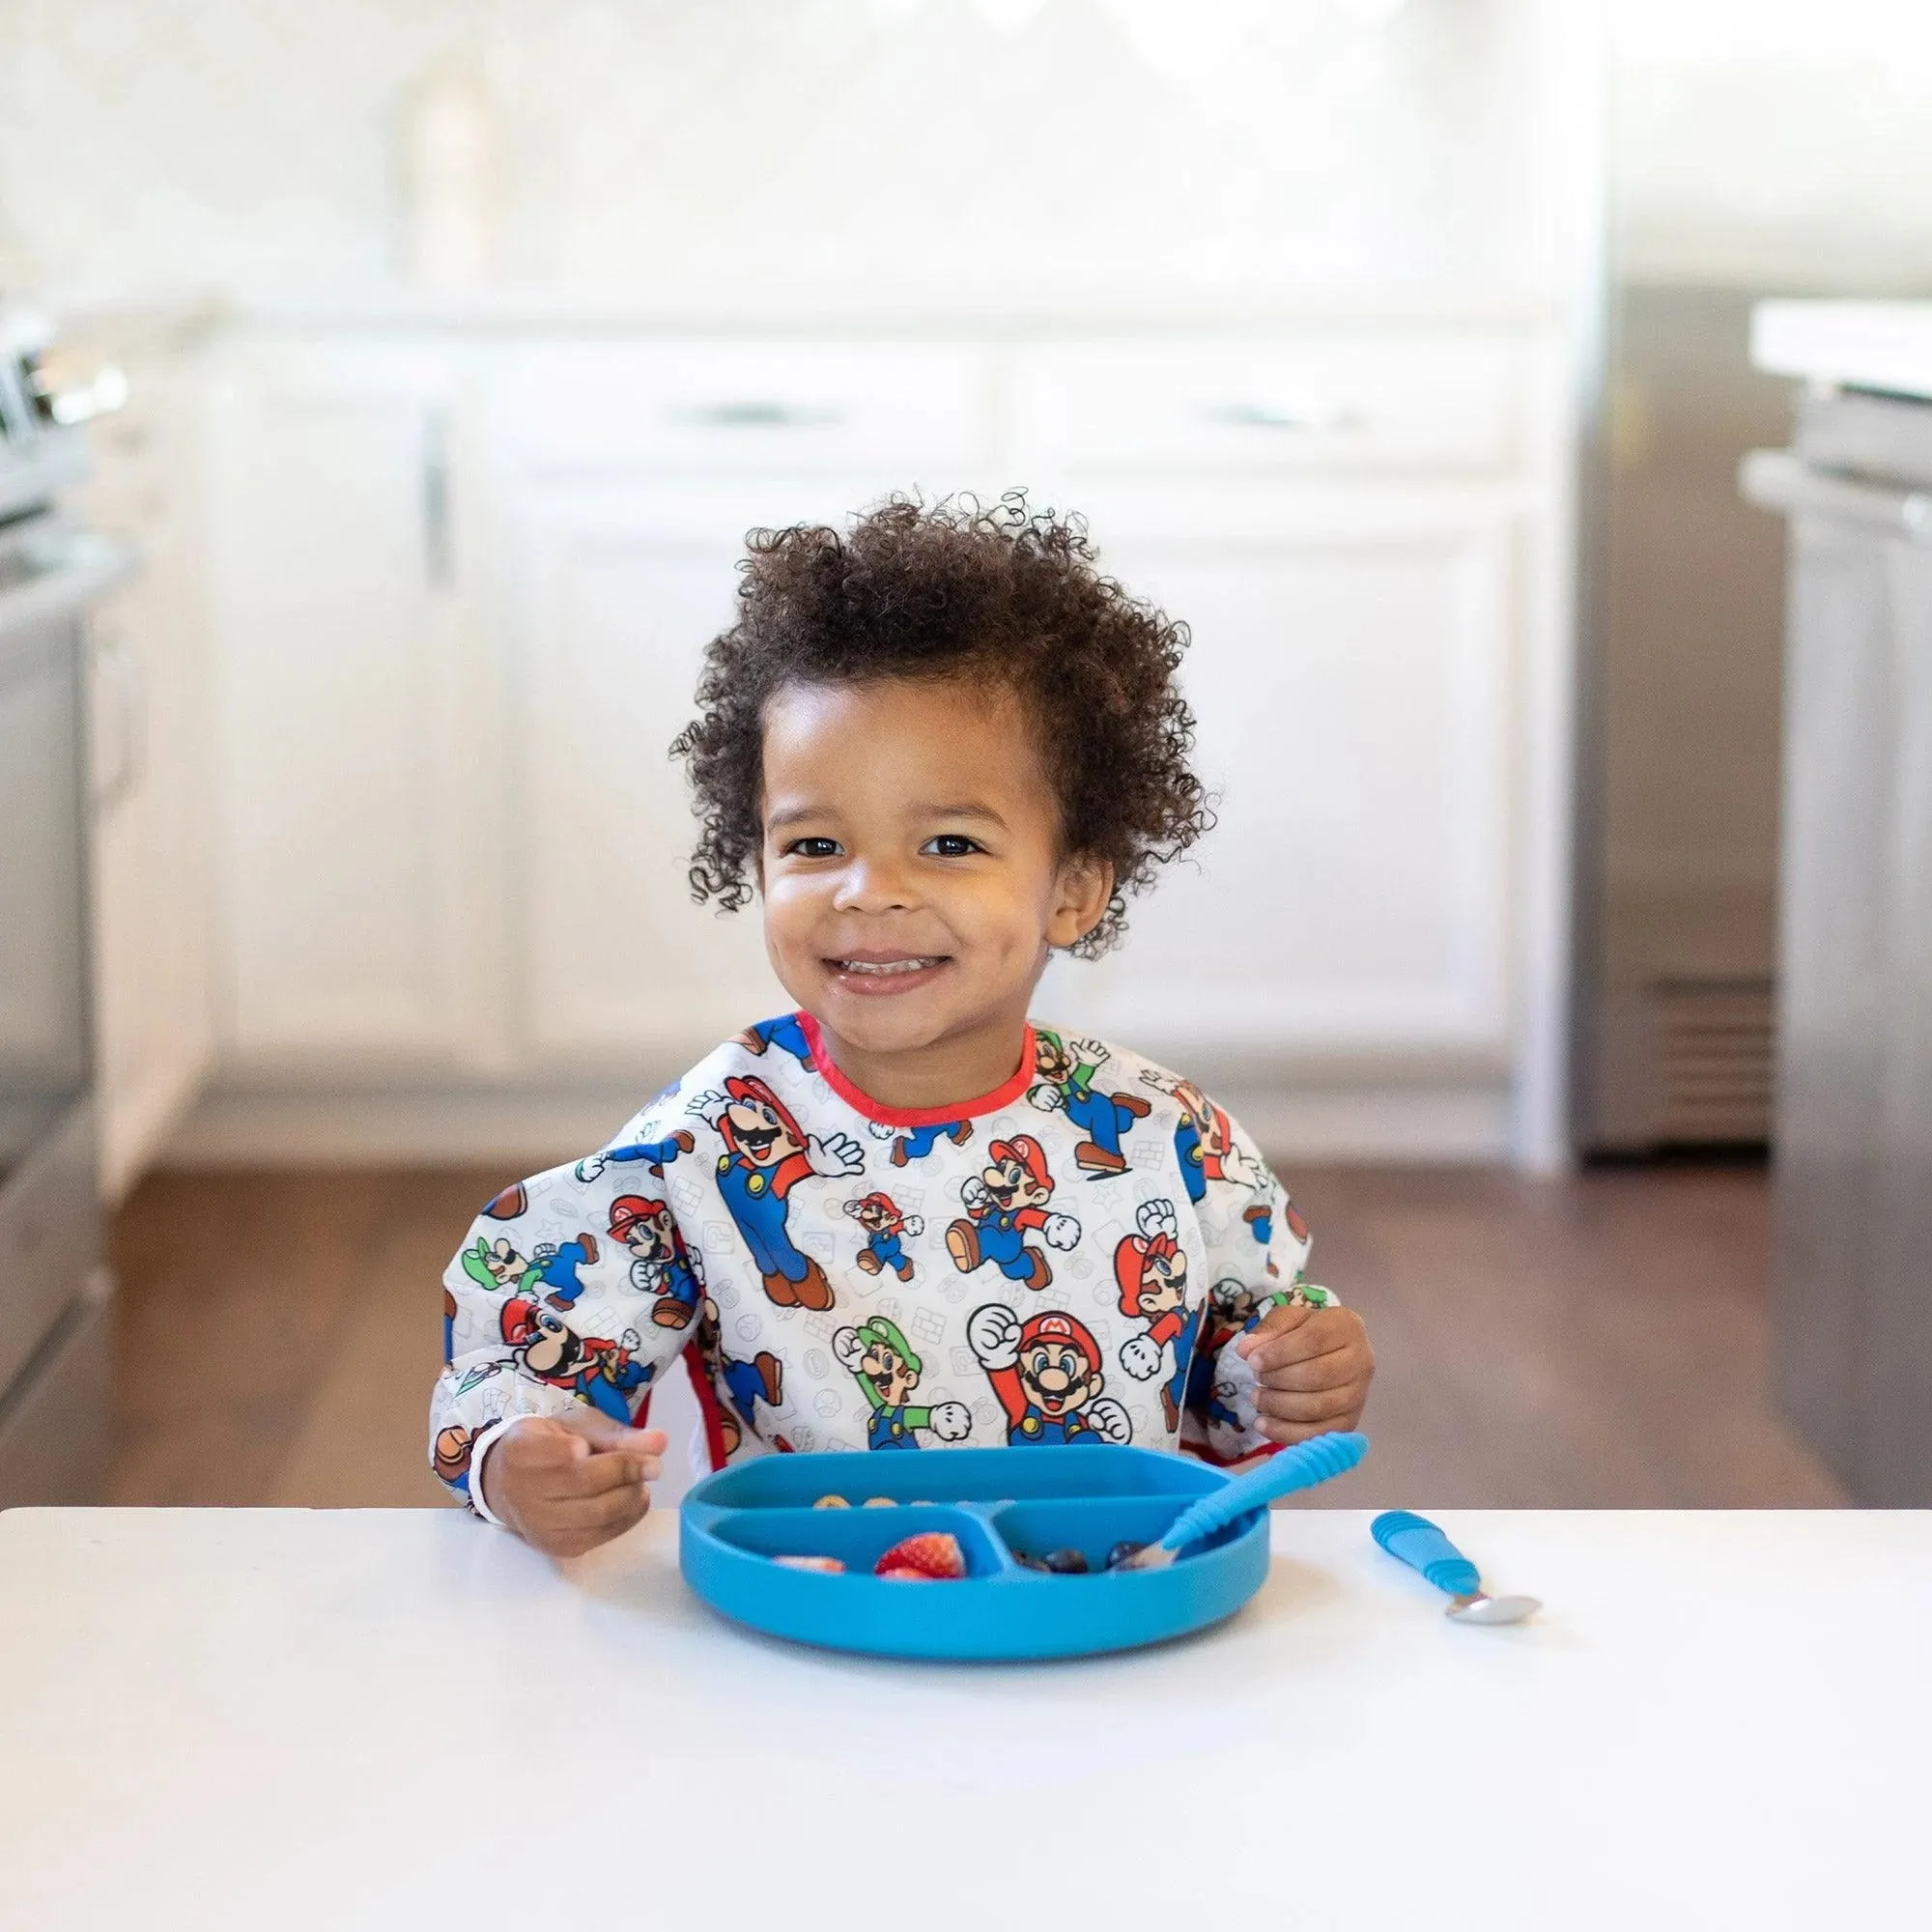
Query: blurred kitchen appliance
(1678, 871)
(55, 1294)
(1853, 1323)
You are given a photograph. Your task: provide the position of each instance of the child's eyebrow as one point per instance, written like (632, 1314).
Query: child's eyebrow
(984, 812)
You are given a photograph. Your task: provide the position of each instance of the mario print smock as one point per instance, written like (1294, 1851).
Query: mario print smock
(1069, 1259)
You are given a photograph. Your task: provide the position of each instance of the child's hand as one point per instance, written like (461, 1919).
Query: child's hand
(1313, 1367)
(567, 1482)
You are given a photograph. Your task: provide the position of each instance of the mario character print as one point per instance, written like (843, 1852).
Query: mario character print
(557, 1265)
(880, 1360)
(740, 1385)
(1066, 1069)
(548, 1350)
(788, 1031)
(1203, 1140)
(766, 1154)
(659, 1266)
(886, 1230)
(656, 1156)
(1151, 1271)
(916, 1143)
(1046, 1373)
(1006, 1199)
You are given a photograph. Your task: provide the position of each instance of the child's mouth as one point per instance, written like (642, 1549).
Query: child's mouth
(899, 973)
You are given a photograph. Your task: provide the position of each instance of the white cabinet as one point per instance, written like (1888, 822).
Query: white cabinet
(1348, 675)
(462, 586)
(150, 879)
(360, 773)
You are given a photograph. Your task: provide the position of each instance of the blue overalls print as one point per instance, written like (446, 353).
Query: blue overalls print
(1101, 1118)
(786, 1032)
(886, 1250)
(1003, 1243)
(886, 1428)
(1034, 1427)
(1193, 1166)
(745, 1385)
(761, 1212)
(919, 1142)
(1183, 1360)
(559, 1273)
(653, 1154)
(605, 1391)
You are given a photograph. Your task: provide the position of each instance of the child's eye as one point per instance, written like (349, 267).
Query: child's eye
(952, 846)
(813, 848)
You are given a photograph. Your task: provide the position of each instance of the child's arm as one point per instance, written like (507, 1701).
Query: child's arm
(548, 1363)
(1279, 1358)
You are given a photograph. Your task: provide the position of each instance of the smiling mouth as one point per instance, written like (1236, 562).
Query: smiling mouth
(885, 968)
(759, 1139)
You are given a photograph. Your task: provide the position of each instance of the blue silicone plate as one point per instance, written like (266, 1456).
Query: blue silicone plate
(995, 1501)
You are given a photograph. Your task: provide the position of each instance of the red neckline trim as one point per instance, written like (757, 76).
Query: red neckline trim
(1002, 1095)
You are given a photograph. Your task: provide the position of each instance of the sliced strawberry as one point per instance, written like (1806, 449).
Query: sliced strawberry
(830, 1565)
(933, 1553)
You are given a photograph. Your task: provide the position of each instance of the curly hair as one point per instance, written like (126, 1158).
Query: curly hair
(1000, 594)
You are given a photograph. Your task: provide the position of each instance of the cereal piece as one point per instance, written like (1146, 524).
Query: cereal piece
(880, 1503)
(830, 1565)
(1027, 1562)
(1121, 1552)
(932, 1553)
(832, 1503)
(1065, 1562)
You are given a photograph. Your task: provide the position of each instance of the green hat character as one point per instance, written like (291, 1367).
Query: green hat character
(879, 1329)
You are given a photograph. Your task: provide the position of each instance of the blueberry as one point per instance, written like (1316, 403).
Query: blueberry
(1120, 1552)
(1066, 1562)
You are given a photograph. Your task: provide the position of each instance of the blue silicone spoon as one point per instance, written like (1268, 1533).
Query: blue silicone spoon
(1302, 1467)
(1414, 1540)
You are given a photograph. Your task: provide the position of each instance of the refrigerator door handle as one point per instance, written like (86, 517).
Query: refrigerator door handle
(1774, 479)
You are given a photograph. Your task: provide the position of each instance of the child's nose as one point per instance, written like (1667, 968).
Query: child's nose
(873, 883)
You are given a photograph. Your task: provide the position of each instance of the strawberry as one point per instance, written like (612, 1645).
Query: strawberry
(934, 1554)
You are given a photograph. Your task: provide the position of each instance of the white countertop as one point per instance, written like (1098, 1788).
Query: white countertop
(292, 1719)
(1858, 345)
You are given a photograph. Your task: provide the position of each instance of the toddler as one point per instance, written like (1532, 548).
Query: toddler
(937, 747)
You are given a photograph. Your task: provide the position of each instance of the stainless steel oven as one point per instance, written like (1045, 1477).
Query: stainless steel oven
(55, 1294)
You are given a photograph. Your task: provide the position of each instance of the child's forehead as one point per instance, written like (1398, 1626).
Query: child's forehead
(946, 741)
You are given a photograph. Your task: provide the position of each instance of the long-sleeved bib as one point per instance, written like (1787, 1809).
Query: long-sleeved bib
(1068, 1259)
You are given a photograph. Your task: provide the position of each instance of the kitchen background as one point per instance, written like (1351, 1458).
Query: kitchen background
(1400, 345)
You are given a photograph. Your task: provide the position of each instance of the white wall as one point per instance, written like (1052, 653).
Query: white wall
(1768, 143)
(255, 146)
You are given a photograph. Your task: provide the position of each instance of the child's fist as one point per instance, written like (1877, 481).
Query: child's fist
(1313, 1367)
(567, 1482)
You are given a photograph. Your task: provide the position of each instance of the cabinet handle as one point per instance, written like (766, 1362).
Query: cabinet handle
(1774, 479)
(119, 755)
(755, 413)
(437, 565)
(1273, 415)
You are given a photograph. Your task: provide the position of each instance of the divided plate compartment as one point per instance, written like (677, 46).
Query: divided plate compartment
(996, 1502)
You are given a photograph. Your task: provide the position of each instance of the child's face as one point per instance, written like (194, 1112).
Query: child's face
(912, 874)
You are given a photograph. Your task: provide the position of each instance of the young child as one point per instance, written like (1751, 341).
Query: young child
(938, 747)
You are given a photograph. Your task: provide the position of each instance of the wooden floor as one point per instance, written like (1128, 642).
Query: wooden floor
(1596, 1341)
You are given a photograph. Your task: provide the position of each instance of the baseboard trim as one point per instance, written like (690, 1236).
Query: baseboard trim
(528, 1129)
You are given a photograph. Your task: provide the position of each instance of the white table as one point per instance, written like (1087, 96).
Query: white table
(291, 1719)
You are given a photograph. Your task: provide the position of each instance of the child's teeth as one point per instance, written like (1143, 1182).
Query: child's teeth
(890, 966)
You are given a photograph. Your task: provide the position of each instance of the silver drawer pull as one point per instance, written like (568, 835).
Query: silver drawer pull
(1272, 415)
(1773, 479)
(755, 413)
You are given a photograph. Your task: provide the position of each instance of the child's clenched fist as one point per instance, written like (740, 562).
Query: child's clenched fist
(567, 1482)
(1313, 1367)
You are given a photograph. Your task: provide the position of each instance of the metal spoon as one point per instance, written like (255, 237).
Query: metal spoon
(1417, 1542)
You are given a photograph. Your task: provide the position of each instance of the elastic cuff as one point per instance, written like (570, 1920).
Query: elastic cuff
(479, 1451)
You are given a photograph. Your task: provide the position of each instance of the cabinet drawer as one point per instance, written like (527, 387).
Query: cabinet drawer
(1246, 407)
(711, 407)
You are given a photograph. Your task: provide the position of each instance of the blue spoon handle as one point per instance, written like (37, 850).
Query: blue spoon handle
(1302, 1467)
(1417, 1540)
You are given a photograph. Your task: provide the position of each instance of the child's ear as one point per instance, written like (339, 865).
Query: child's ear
(1082, 888)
